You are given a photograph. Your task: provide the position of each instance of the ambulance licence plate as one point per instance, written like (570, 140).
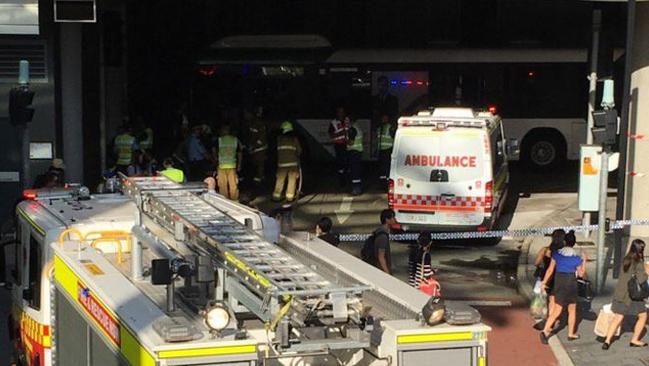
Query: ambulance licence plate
(418, 218)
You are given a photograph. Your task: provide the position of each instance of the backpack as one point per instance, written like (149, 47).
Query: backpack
(368, 251)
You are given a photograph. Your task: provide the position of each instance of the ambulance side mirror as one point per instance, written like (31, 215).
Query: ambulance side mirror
(513, 148)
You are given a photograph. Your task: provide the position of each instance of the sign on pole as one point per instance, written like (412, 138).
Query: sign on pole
(590, 159)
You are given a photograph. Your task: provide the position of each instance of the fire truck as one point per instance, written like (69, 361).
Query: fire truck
(166, 274)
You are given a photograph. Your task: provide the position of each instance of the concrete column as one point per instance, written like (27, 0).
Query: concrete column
(637, 194)
(71, 100)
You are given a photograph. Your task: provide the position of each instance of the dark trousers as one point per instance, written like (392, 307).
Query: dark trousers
(384, 163)
(355, 172)
(198, 170)
(340, 152)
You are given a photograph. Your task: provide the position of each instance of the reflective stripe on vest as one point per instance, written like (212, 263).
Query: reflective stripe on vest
(385, 138)
(357, 145)
(227, 152)
(174, 174)
(287, 152)
(124, 144)
(340, 132)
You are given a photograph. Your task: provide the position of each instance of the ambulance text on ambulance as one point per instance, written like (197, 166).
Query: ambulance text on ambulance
(441, 161)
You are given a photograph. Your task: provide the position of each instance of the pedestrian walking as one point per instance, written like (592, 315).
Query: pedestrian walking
(288, 163)
(338, 128)
(566, 265)
(323, 231)
(385, 140)
(632, 266)
(355, 157)
(229, 163)
(379, 244)
(171, 172)
(542, 264)
(419, 260)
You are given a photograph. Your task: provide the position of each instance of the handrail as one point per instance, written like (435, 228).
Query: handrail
(111, 234)
(67, 232)
(110, 240)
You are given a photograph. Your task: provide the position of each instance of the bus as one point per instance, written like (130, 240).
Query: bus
(541, 94)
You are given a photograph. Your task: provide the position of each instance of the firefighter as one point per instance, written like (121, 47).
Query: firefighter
(385, 138)
(257, 145)
(288, 162)
(354, 156)
(172, 173)
(124, 146)
(229, 163)
(338, 129)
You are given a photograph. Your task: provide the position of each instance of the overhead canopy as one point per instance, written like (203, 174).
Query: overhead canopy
(425, 56)
(268, 50)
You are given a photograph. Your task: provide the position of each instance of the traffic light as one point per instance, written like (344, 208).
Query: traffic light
(20, 100)
(605, 127)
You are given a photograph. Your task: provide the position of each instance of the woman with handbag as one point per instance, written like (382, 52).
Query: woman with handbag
(565, 266)
(542, 263)
(634, 273)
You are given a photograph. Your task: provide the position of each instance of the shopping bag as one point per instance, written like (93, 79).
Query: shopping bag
(604, 319)
(539, 306)
(431, 287)
(537, 287)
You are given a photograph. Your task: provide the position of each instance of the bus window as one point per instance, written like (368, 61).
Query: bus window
(33, 292)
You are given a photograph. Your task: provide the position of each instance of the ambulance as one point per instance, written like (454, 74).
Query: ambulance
(449, 170)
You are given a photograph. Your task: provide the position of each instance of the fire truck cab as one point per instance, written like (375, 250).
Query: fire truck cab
(449, 170)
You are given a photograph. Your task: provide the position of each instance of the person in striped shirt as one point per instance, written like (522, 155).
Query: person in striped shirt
(419, 260)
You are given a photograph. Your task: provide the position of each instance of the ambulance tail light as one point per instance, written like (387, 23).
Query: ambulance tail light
(390, 193)
(489, 196)
(30, 194)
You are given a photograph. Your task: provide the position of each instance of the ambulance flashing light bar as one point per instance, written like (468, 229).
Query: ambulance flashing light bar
(444, 117)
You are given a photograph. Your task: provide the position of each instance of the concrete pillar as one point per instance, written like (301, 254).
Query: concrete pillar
(71, 100)
(637, 193)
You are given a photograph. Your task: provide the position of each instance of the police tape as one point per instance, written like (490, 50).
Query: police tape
(612, 225)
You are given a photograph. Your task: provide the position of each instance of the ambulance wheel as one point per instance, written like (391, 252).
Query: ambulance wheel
(544, 150)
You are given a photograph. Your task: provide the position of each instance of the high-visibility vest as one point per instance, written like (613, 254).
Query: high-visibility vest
(174, 174)
(227, 152)
(339, 133)
(147, 143)
(385, 137)
(357, 144)
(287, 151)
(124, 145)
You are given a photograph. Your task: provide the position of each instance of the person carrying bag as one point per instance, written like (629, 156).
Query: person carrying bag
(630, 293)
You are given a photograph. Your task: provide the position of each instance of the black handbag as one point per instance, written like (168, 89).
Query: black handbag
(584, 289)
(638, 291)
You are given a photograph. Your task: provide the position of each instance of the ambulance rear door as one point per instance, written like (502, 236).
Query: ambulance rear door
(439, 176)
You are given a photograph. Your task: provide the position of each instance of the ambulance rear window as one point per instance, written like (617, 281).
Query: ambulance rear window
(461, 152)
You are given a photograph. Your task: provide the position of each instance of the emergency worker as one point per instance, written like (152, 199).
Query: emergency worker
(338, 129)
(197, 154)
(354, 157)
(124, 146)
(229, 163)
(257, 145)
(172, 173)
(385, 140)
(288, 162)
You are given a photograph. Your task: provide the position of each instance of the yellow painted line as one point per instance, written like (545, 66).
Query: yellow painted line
(440, 337)
(31, 222)
(208, 351)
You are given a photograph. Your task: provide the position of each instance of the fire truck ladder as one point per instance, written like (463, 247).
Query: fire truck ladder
(272, 277)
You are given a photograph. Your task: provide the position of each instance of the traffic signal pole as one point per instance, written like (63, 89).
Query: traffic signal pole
(592, 88)
(601, 220)
(23, 85)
